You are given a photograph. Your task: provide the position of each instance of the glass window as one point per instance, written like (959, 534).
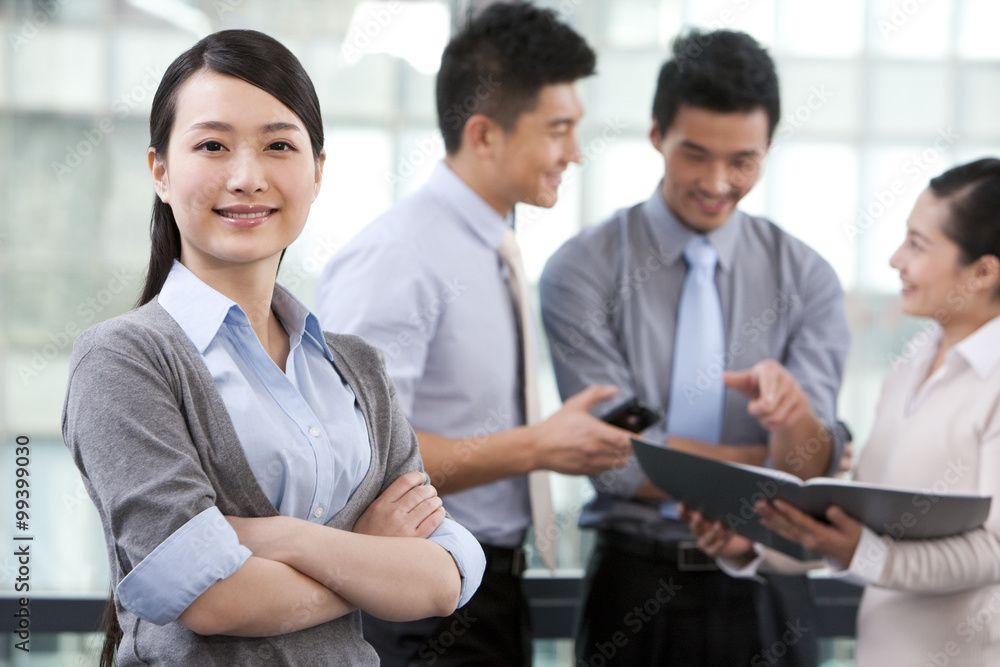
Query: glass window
(977, 35)
(802, 202)
(911, 30)
(75, 63)
(753, 16)
(819, 28)
(899, 101)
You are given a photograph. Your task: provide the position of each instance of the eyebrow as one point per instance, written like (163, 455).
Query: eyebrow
(913, 232)
(219, 126)
(561, 121)
(690, 145)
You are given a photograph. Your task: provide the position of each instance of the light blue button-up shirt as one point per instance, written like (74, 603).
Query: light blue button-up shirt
(424, 283)
(302, 431)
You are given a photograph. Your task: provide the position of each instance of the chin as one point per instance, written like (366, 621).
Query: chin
(544, 199)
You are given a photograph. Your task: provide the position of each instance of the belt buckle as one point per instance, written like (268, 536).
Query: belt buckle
(692, 559)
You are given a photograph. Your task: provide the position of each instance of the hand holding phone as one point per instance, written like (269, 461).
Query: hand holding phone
(633, 416)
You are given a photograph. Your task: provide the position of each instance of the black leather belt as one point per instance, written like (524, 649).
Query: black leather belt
(505, 561)
(685, 554)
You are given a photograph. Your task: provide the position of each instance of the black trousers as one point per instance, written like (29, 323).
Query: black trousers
(641, 608)
(492, 630)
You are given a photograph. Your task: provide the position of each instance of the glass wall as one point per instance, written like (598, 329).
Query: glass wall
(878, 96)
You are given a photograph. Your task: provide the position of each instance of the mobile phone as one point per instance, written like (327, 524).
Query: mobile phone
(633, 416)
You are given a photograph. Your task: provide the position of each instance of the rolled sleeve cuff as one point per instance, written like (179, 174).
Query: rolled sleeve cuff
(467, 553)
(868, 563)
(201, 552)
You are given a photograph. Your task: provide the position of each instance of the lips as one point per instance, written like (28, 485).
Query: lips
(245, 215)
(712, 205)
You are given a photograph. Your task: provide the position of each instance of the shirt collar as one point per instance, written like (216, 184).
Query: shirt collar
(468, 206)
(298, 321)
(196, 307)
(980, 349)
(200, 311)
(673, 236)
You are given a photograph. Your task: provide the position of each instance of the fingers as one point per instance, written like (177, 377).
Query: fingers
(744, 382)
(605, 445)
(711, 536)
(590, 397)
(840, 519)
(780, 401)
(409, 491)
(605, 453)
(791, 523)
(618, 440)
(430, 523)
(403, 484)
(784, 409)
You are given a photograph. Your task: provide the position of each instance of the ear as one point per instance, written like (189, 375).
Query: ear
(481, 135)
(987, 273)
(320, 162)
(655, 136)
(158, 171)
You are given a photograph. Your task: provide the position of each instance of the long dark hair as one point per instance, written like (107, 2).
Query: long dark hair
(249, 55)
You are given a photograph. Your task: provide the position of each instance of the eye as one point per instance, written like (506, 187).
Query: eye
(211, 147)
(282, 146)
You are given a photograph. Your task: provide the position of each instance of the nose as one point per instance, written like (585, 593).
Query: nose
(896, 261)
(573, 151)
(246, 174)
(715, 179)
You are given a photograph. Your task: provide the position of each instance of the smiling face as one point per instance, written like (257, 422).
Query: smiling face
(531, 157)
(935, 283)
(712, 161)
(239, 174)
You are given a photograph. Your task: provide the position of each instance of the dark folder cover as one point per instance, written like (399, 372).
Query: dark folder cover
(728, 491)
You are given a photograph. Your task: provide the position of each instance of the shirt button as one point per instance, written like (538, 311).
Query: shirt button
(318, 513)
(314, 432)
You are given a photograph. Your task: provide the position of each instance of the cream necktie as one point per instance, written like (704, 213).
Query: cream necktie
(542, 513)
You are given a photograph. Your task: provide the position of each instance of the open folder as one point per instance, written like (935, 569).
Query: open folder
(728, 491)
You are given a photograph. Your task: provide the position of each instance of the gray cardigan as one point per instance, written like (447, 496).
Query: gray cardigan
(155, 446)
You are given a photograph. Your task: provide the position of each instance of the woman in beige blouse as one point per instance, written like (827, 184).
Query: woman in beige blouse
(937, 427)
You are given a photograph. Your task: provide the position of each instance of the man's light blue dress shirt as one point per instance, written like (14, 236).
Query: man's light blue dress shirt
(302, 431)
(424, 283)
(610, 299)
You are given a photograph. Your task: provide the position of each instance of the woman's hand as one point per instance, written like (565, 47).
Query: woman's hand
(410, 507)
(836, 540)
(716, 540)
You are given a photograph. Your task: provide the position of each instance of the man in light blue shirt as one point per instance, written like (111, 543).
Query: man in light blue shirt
(612, 308)
(425, 283)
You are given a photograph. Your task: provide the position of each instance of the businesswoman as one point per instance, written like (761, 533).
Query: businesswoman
(256, 480)
(937, 427)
